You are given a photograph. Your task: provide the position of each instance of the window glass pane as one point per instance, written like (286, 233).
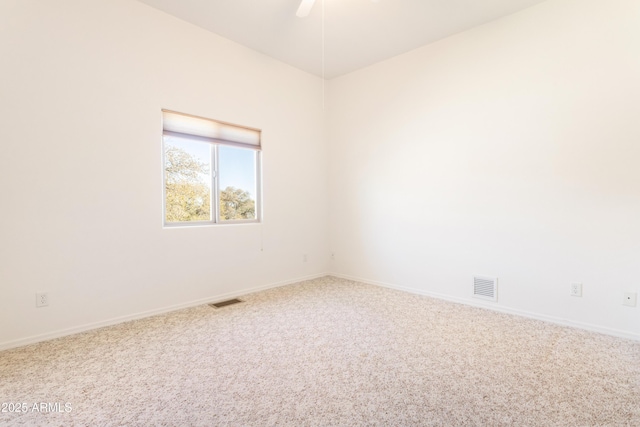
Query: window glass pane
(187, 172)
(238, 184)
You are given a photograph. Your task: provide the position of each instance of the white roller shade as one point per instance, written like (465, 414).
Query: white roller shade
(185, 125)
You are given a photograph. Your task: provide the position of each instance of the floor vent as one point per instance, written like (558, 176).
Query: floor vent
(485, 287)
(225, 303)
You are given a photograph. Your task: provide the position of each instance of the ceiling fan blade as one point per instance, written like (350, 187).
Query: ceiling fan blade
(304, 8)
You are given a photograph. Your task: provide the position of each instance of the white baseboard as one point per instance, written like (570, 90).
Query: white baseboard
(476, 303)
(114, 321)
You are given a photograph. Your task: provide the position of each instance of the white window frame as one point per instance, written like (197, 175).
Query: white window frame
(215, 143)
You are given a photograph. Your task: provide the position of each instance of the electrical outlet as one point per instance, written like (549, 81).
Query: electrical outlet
(333, 256)
(304, 257)
(630, 299)
(576, 289)
(42, 299)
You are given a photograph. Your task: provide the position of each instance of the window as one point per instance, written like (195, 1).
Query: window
(211, 171)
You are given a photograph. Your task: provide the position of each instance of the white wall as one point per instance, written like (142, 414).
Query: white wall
(82, 84)
(510, 150)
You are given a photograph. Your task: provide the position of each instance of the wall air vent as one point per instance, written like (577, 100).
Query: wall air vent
(225, 303)
(485, 288)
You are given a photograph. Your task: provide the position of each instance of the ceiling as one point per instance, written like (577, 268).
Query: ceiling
(357, 33)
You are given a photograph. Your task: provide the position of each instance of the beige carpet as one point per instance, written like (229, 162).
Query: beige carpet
(327, 352)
